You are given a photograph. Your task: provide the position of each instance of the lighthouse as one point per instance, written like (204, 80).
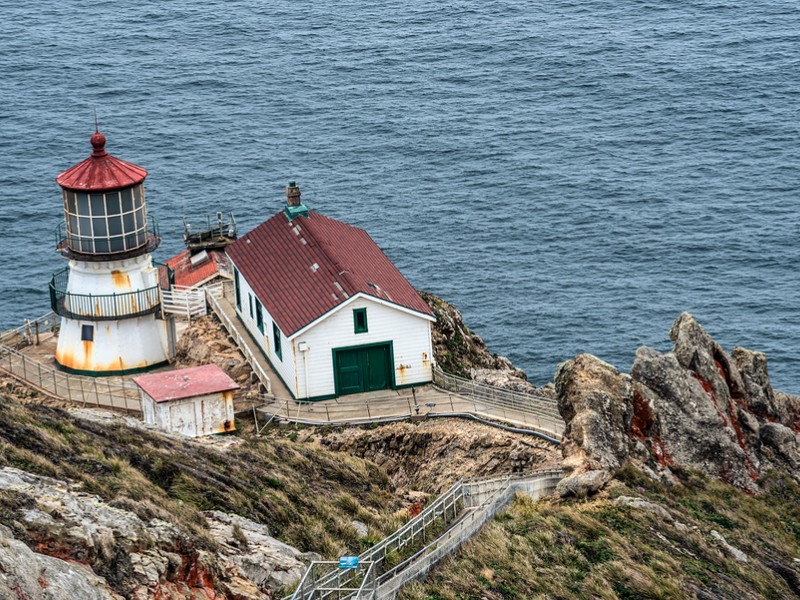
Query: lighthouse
(109, 297)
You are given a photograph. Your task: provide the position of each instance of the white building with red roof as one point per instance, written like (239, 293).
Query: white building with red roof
(329, 310)
(195, 401)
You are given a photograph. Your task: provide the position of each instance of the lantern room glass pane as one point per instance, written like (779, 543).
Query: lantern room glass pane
(112, 203)
(128, 224)
(98, 205)
(83, 203)
(99, 227)
(117, 244)
(72, 225)
(101, 245)
(127, 201)
(85, 224)
(139, 218)
(114, 226)
(138, 196)
(69, 201)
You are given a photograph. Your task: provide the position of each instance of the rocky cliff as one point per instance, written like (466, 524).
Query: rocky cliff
(696, 406)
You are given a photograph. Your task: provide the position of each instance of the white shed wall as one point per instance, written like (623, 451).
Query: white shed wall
(193, 417)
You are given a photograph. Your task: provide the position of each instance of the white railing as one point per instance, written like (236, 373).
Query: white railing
(213, 299)
(349, 411)
(184, 301)
(418, 565)
(29, 332)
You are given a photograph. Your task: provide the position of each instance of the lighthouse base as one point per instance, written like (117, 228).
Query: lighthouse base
(114, 347)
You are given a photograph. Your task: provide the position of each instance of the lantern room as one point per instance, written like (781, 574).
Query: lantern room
(104, 206)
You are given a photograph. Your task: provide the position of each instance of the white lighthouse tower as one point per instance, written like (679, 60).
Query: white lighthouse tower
(109, 297)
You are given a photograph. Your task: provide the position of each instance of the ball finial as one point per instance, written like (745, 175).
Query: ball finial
(98, 141)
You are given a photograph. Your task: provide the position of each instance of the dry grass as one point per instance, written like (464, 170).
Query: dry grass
(598, 549)
(289, 486)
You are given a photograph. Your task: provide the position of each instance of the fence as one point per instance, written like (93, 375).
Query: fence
(352, 410)
(497, 396)
(30, 331)
(467, 506)
(213, 296)
(184, 301)
(418, 565)
(92, 391)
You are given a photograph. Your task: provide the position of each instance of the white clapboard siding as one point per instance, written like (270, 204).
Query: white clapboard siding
(283, 365)
(410, 336)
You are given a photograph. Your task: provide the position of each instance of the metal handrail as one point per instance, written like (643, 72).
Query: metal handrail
(499, 490)
(216, 307)
(498, 396)
(105, 307)
(70, 244)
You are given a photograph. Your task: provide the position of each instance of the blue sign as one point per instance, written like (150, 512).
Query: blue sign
(348, 562)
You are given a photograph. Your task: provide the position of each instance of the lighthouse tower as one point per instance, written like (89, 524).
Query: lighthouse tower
(109, 297)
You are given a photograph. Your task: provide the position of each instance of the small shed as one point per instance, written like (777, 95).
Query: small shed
(195, 401)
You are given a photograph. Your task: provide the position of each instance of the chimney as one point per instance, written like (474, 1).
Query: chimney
(292, 194)
(294, 207)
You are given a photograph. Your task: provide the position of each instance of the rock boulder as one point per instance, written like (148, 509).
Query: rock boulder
(696, 406)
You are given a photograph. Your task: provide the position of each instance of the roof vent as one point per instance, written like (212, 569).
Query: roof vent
(199, 258)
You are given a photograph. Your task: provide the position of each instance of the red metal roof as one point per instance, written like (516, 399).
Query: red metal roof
(188, 275)
(101, 171)
(302, 269)
(185, 383)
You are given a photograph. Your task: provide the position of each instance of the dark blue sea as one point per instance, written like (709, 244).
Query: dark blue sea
(571, 175)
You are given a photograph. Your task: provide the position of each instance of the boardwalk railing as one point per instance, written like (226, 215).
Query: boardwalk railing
(30, 332)
(498, 396)
(465, 508)
(212, 297)
(106, 392)
(349, 410)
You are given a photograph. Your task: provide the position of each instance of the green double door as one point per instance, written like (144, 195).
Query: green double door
(363, 369)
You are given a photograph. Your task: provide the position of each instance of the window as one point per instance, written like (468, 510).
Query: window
(238, 291)
(250, 301)
(276, 339)
(259, 317)
(360, 320)
(87, 333)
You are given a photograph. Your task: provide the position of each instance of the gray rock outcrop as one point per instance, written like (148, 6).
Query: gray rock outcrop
(696, 406)
(89, 547)
(28, 574)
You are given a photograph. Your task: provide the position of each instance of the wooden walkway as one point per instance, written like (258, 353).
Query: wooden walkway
(450, 396)
(118, 393)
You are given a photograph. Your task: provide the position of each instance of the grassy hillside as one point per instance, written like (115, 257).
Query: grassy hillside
(606, 548)
(307, 495)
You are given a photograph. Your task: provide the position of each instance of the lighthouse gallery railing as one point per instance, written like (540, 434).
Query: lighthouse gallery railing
(107, 307)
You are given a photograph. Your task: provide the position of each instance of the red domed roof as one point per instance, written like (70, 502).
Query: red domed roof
(101, 171)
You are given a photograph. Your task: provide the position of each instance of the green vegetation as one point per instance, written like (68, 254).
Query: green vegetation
(602, 549)
(276, 480)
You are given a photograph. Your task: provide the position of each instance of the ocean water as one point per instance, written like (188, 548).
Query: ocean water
(571, 175)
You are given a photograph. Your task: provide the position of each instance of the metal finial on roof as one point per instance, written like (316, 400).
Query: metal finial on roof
(98, 141)
(96, 127)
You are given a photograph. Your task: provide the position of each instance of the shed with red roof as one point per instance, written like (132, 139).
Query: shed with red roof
(329, 310)
(195, 401)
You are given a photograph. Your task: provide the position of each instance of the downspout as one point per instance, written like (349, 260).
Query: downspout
(304, 348)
